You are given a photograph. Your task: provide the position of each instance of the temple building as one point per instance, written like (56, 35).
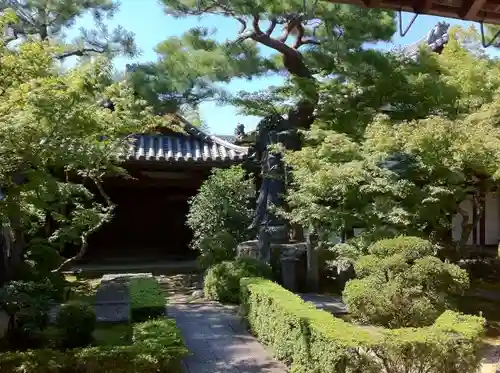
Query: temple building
(166, 170)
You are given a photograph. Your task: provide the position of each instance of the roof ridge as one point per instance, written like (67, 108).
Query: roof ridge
(195, 131)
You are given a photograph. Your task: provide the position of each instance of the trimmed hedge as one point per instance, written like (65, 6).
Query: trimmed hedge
(158, 347)
(147, 300)
(313, 341)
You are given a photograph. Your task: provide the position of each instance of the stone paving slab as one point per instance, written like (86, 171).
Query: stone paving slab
(328, 303)
(112, 292)
(218, 342)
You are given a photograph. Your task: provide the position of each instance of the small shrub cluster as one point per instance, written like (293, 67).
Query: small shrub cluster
(27, 305)
(147, 300)
(312, 340)
(222, 281)
(157, 348)
(400, 283)
(220, 214)
(76, 321)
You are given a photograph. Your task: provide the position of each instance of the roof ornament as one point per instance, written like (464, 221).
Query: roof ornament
(239, 132)
(438, 32)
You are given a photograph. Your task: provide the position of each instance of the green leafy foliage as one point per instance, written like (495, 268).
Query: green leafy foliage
(312, 340)
(220, 214)
(401, 284)
(222, 281)
(162, 332)
(76, 321)
(157, 348)
(189, 68)
(27, 304)
(48, 20)
(44, 256)
(61, 142)
(408, 170)
(147, 300)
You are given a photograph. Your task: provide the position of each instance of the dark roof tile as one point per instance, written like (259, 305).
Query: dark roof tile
(180, 147)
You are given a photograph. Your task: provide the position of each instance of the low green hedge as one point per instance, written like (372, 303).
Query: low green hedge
(147, 300)
(313, 341)
(157, 348)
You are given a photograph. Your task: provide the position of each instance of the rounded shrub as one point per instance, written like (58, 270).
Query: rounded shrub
(402, 284)
(410, 247)
(222, 281)
(76, 321)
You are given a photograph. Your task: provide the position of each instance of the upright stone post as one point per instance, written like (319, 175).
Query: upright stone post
(312, 260)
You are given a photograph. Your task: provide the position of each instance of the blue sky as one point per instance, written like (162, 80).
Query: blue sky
(146, 19)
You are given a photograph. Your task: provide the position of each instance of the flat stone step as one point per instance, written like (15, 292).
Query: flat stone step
(114, 276)
(112, 313)
(113, 291)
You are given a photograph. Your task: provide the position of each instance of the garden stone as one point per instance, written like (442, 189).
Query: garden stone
(288, 261)
(197, 294)
(53, 312)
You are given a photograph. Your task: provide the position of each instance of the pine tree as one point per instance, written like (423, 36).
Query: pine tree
(46, 20)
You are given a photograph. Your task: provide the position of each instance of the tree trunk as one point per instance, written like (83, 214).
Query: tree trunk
(85, 235)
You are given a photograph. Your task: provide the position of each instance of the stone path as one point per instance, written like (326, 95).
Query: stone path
(218, 341)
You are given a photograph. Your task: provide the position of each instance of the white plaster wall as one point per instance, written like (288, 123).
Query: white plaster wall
(492, 229)
(457, 219)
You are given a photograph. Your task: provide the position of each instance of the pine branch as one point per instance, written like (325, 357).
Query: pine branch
(79, 52)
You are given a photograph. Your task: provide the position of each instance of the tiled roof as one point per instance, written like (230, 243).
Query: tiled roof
(229, 138)
(193, 146)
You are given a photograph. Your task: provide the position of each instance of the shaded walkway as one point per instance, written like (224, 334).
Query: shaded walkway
(218, 341)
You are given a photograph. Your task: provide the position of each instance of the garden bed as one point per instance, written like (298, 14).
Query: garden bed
(154, 345)
(157, 347)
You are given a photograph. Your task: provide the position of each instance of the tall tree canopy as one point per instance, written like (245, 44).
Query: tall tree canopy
(58, 142)
(307, 47)
(406, 171)
(47, 20)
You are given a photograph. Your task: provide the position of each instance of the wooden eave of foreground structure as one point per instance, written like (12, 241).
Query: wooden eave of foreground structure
(487, 11)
